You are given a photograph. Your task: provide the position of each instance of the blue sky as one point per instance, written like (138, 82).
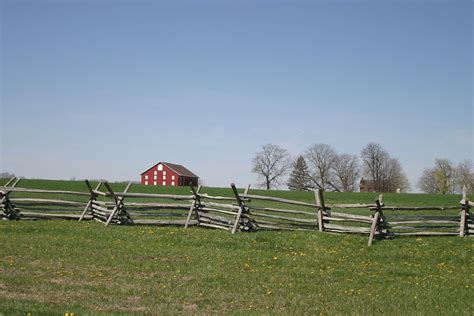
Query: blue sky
(104, 89)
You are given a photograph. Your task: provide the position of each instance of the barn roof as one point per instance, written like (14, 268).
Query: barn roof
(367, 181)
(179, 169)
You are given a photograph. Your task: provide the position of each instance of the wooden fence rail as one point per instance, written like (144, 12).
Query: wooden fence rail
(238, 213)
(38, 208)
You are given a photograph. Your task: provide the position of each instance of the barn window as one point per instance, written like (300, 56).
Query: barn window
(172, 182)
(146, 177)
(164, 173)
(156, 172)
(164, 182)
(146, 182)
(160, 167)
(155, 177)
(172, 177)
(164, 177)
(154, 182)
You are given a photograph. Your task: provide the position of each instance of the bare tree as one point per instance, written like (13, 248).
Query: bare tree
(386, 172)
(427, 182)
(465, 173)
(441, 178)
(396, 179)
(321, 159)
(373, 157)
(271, 165)
(346, 172)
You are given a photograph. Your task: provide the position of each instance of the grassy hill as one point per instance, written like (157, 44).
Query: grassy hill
(53, 267)
(403, 199)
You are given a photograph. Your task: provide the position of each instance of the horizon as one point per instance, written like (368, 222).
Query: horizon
(105, 90)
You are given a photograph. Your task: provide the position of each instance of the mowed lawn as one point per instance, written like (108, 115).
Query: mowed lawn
(53, 267)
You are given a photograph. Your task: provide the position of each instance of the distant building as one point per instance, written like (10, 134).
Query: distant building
(168, 174)
(366, 185)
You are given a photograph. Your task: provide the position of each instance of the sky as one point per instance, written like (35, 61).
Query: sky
(105, 89)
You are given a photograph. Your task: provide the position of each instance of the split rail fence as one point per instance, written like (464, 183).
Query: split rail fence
(238, 213)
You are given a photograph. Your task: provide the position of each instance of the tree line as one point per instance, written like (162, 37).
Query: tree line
(320, 166)
(446, 178)
(6, 175)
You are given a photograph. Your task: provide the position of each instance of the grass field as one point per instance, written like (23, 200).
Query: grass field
(331, 197)
(53, 267)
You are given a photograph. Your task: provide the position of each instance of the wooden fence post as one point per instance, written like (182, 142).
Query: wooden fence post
(9, 209)
(382, 217)
(247, 189)
(92, 199)
(13, 180)
(195, 206)
(321, 208)
(118, 203)
(464, 212)
(122, 205)
(239, 213)
(375, 223)
(373, 228)
(9, 181)
(381, 201)
(462, 224)
(249, 224)
(319, 212)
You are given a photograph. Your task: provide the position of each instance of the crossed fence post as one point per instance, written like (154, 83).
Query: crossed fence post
(92, 199)
(119, 205)
(9, 209)
(321, 207)
(195, 206)
(378, 219)
(242, 214)
(465, 206)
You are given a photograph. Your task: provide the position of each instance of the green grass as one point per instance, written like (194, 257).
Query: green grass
(51, 267)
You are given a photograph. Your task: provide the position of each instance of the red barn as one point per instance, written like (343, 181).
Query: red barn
(169, 174)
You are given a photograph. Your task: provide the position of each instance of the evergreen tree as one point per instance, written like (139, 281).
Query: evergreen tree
(299, 179)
